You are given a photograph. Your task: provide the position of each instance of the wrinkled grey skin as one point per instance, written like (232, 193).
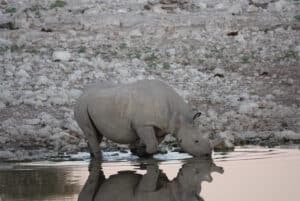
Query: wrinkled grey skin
(139, 113)
(152, 186)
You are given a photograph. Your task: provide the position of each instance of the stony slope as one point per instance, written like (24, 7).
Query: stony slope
(236, 61)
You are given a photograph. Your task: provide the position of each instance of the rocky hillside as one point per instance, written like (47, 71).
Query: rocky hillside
(237, 61)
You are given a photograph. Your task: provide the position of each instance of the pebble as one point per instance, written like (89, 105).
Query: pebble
(61, 56)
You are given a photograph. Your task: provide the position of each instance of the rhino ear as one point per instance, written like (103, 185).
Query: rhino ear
(198, 114)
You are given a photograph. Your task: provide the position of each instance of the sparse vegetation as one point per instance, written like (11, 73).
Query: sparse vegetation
(152, 60)
(135, 54)
(36, 10)
(166, 65)
(10, 10)
(297, 17)
(290, 54)
(16, 48)
(123, 46)
(82, 49)
(152, 63)
(3, 49)
(245, 59)
(57, 4)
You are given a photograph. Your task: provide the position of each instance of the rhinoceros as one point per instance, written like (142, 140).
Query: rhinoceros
(140, 114)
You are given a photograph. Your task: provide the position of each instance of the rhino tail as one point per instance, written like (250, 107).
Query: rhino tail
(88, 126)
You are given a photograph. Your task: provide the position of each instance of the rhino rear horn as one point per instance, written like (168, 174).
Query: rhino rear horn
(198, 114)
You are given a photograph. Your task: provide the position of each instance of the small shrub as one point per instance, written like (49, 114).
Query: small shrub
(36, 10)
(123, 46)
(3, 49)
(151, 60)
(82, 49)
(297, 17)
(166, 65)
(291, 54)
(134, 54)
(245, 59)
(152, 64)
(58, 4)
(16, 48)
(10, 10)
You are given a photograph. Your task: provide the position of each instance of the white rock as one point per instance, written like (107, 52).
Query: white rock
(26, 67)
(236, 9)
(169, 138)
(227, 140)
(61, 56)
(297, 49)
(75, 93)
(82, 144)
(43, 80)
(32, 121)
(212, 114)
(220, 6)
(136, 33)
(76, 75)
(219, 71)
(45, 132)
(252, 9)
(248, 135)
(287, 134)
(6, 155)
(5, 96)
(279, 5)
(2, 105)
(5, 42)
(200, 4)
(22, 74)
(248, 108)
(60, 136)
(48, 119)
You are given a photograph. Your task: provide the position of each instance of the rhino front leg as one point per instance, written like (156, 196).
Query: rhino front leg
(148, 138)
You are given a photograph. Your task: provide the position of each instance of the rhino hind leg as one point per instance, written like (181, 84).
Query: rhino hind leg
(94, 137)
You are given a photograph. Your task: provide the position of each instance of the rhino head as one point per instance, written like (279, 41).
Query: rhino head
(193, 142)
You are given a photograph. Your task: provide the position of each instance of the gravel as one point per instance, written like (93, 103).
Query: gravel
(235, 61)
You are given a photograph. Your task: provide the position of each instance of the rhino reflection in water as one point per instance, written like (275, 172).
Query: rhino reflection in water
(153, 186)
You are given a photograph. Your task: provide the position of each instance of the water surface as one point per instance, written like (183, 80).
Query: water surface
(242, 175)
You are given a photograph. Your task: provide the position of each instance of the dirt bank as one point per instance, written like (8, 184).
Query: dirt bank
(237, 61)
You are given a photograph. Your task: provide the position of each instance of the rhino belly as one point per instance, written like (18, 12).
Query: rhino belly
(116, 129)
(119, 132)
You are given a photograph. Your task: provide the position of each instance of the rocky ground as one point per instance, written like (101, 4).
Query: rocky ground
(237, 61)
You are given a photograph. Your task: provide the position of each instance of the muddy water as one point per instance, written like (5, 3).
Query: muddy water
(242, 175)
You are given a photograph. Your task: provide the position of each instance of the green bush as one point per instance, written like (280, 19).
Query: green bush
(10, 10)
(57, 4)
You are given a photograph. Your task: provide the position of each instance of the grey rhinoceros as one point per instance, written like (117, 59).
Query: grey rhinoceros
(140, 114)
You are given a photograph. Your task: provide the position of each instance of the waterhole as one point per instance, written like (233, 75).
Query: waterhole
(248, 173)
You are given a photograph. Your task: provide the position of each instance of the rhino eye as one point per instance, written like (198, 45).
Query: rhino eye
(196, 141)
